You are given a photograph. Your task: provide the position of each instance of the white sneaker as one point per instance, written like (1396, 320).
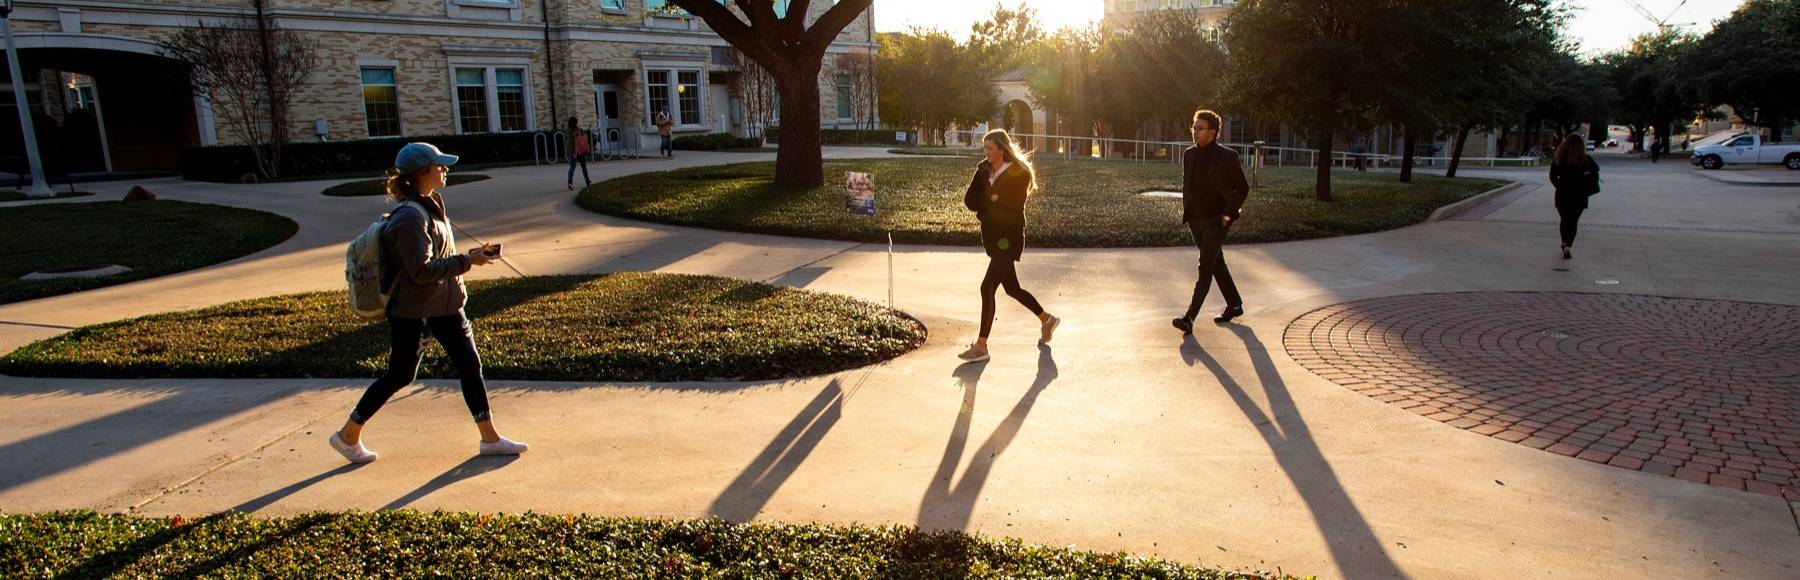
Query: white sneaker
(503, 447)
(355, 453)
(974, 354)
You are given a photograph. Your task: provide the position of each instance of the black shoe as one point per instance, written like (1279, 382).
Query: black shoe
(1184, 325)
(1566, 254)
(1229, 313)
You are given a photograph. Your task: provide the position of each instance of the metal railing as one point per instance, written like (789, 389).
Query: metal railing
(603, 144)
(1139, 150)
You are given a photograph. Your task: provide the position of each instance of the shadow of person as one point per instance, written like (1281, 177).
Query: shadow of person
(277, 495)
(947, 507)
(1353, 544)
(751, 490)
(468, 469)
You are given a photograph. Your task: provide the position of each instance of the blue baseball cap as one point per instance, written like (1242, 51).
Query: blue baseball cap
(415, 156)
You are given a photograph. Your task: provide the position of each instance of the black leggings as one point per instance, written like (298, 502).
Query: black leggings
(1000, 272)
(458, 339)
(1571, 217)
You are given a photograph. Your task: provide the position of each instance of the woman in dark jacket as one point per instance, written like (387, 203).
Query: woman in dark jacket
(419, 262)
(1575, 176)
(997, 195)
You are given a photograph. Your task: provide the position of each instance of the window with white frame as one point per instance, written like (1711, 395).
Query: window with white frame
(843, 96)
(491, 98)
(381, 101)
(676, 90)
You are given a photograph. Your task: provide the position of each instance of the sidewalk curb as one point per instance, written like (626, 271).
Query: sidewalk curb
(1450, 211)
(1709, 174)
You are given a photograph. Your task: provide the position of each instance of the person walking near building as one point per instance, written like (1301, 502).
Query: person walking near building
(421, 267)
(665, 126)
(576, 145)
(997, 194)
(1213, 189)
(1575, 176)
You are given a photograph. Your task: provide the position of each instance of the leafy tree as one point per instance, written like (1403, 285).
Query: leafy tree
(251, 70)
(1153, 73)
(1007, 39)
(1305, 62)
(1061, 79)
(1486, 64)
(1653, 92)
(1751, 61)
(929, 82)
(793, 53)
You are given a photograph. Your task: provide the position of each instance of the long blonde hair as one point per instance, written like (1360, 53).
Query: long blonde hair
(1572, 151)
(1010, 150)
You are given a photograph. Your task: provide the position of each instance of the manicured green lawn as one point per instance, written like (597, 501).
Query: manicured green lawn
(615, 327)
(1081, 203)
(410, 544)
(370, 187)
(10, 195)
(152, 238)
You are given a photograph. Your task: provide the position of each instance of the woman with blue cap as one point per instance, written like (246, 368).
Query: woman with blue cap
(419, 262)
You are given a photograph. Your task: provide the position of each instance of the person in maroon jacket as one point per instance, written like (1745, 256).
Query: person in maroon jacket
(1213, 189)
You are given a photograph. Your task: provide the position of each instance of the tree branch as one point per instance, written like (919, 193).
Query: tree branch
(826, 30)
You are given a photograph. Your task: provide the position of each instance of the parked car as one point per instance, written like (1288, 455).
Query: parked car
(1746, 148)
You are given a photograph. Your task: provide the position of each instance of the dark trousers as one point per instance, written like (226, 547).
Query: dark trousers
(1209, 235)
(668, 145)
(458, 339)
(1000, 272)
(1571, 216)
(582, 159)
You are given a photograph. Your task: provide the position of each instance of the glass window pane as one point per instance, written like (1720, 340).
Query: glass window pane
(382, 111)
(471, 109)
(509, 76)
(613, 4)
(378, 76)
(469, 76)
(657, 93)
(689, 89)
(512, 108)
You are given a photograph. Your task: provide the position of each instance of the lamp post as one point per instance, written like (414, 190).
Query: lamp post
(38, 187)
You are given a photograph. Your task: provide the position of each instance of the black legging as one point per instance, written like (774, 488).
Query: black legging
(458, 339)
(1571, 217)
(1000, 272)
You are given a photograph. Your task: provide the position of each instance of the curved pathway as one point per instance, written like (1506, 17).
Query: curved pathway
(1225, 448)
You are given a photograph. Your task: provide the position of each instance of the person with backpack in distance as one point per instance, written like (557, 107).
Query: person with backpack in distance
(997, 193)
(575, 142)
(406, 268)
(1575, 176)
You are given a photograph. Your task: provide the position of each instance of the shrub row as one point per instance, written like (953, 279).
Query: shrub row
(411, 544)
(225, 163)
(842, 136)
(715, 142)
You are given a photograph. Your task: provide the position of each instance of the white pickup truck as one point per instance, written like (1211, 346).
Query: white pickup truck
(1747, 148)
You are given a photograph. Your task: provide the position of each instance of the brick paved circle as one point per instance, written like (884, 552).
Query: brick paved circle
(1702, 390)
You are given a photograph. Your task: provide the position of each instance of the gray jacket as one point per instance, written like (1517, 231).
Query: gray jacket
(420, 263)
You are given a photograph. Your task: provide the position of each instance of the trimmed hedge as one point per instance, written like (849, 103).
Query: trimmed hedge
(411, 544)
(624, 326)
(842, 136)
(715, 142)
(225, 163)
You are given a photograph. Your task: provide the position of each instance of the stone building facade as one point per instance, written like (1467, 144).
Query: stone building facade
(398, 68)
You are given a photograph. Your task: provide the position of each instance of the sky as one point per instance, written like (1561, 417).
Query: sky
(1600, 25)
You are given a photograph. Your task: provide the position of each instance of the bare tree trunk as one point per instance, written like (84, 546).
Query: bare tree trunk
(1408, 144)
(1456, 151)
(798, 162)
(1322, 179)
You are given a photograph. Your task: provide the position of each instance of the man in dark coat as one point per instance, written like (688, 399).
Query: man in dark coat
(1213, 189)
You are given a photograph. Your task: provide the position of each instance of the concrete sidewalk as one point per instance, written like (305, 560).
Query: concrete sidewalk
(1121, 435)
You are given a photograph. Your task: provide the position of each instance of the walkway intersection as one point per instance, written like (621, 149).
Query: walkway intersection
(1441, 401)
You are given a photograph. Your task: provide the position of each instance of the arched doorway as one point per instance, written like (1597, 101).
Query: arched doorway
(101, 104)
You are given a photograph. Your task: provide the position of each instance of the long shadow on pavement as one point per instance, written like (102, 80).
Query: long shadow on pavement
(746, 496)
(469, 468)
(270, 498)
(1354, 546)
(947, 507)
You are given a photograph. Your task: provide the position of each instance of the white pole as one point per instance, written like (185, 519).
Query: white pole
(38, 187)
(890, 269)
